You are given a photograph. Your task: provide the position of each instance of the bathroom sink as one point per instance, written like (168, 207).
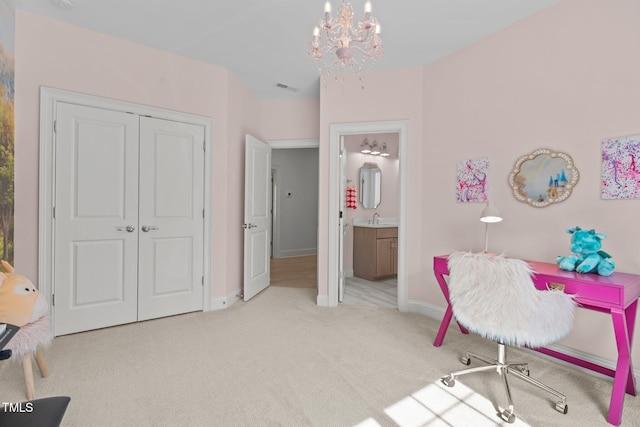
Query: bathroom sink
(376, 225)
(380, 222)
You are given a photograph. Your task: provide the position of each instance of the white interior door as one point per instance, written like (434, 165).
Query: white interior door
(96, 218)
(171, 218)
(257, 217)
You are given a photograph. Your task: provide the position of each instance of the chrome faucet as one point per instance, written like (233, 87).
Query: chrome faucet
(376, 218)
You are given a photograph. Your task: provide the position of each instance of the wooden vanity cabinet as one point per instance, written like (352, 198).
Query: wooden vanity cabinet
(375, 252)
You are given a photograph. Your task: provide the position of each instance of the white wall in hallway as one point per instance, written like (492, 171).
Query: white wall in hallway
(296, 210)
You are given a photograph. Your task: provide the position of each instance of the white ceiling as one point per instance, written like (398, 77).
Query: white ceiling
(264, 42)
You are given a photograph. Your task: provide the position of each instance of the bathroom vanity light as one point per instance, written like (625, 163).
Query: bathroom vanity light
(374, 148)
(365, 147)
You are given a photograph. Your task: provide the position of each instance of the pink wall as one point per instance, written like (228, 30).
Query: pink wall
(290, 119)
(54, 54)
(564, 79)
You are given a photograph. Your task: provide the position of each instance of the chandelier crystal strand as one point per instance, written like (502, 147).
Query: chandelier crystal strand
(355, 46)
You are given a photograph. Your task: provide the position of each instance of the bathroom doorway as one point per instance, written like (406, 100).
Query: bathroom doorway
(337, 184)
(370, 181)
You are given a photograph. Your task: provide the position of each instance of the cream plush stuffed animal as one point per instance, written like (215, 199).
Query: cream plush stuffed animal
(20, 301)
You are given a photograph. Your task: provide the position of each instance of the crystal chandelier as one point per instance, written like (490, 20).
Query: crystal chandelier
(354, 44)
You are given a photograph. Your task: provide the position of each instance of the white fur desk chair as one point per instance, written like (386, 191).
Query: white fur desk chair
(494, 297)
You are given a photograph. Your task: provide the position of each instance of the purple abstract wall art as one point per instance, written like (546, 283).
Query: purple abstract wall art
(621, 168)
(472, 180)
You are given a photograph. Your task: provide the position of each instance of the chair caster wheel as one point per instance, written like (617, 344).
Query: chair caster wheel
(562, 407)
(465, 360)
(448, 381)
(508, 416)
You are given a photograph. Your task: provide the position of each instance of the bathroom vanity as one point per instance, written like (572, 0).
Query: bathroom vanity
(375, 251)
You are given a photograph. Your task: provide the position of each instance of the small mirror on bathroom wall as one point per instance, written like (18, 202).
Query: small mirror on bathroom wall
(543, 177)
(370, 181)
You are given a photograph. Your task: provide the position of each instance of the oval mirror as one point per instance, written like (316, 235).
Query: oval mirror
(370, 180)
(543, 177)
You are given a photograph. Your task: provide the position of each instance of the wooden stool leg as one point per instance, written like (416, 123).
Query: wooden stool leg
(28, 376)
(41, 364)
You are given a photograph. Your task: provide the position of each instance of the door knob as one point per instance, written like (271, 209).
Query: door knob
(248, 225)
(129, 228)
(147, 228)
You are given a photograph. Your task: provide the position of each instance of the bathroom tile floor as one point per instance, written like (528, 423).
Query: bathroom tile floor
(381, 293)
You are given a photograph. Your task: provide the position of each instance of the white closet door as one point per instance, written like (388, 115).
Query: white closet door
(171, 218)
(96, 217)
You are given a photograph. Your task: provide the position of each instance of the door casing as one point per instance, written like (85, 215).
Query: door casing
(49, 98)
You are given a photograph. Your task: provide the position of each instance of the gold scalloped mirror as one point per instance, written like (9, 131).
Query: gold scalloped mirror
(543, 177)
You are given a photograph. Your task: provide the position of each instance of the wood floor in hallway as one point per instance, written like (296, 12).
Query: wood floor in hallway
(295, 272)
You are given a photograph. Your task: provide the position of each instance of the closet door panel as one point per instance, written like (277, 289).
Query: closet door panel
(95, 257)
(176, 276)
(171, 218)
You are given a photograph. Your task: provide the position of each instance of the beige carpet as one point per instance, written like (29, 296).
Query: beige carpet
(279, 360)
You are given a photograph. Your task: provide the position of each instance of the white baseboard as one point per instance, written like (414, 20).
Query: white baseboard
(348, 273)
(297, 252)
(607, 363)
(223, 302)
(437, 313)
(322, 301)
(425, 309)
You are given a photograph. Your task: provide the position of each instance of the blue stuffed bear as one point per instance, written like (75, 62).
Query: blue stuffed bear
(588, 257)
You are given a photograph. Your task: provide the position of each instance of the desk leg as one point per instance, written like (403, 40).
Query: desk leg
(443, 327)
(630, 314)
(620, 379)
(447, 314)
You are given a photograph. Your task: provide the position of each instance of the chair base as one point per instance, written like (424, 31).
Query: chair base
(519, 370)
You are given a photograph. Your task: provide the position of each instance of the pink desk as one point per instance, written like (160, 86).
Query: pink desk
(616, 294)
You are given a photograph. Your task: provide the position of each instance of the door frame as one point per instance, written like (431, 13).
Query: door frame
(49, 98)
(335, 132)
(275, 218)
